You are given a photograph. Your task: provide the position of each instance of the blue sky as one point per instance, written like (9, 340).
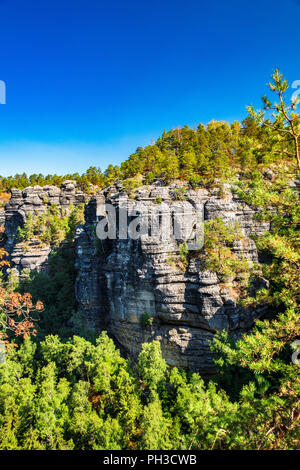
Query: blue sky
(90, 80)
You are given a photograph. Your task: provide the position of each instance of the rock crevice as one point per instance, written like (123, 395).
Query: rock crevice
(119, 281)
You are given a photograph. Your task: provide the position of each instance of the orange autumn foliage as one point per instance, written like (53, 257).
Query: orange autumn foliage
(15, 309)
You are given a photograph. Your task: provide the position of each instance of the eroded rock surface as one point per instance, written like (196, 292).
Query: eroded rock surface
(35, 200)
(122, 279)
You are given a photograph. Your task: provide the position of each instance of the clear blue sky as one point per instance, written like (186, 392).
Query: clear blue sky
(90, 80)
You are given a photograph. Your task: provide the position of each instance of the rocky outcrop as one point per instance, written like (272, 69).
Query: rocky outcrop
(121, 280)
(35, 200)
(139, 289)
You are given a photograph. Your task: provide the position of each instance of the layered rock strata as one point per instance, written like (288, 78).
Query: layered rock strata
(120, 282)
(35, 200)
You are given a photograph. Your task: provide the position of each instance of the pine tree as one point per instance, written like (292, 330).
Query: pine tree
(284, 118)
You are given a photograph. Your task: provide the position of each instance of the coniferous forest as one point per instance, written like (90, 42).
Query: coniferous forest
(63, 386)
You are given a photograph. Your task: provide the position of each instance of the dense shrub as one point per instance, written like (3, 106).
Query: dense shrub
(52, 227)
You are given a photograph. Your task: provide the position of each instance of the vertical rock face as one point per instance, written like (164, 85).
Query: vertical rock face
(120, 282)
(138, 287)
(34, 200)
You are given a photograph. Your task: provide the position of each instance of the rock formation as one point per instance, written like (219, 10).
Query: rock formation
(34, 200)
(121, 280)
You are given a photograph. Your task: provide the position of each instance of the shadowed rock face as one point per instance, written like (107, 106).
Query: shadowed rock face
(120, 280)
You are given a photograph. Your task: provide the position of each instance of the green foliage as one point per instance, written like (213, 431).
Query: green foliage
(155, 427)
(76, 395)
(111, 174)
(198, 155)
(183, 253)
(195, 181)
(26, 233)
(278, 204)
(92, 176)
(56, 290)
(281, 117)
(269, 402)
(218, 254)
(151, 365)
(130, 184)
(146, 320)
(52, 227)
(179, 194)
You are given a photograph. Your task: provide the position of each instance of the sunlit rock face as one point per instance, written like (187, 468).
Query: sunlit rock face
(121, 280)
(33, 256)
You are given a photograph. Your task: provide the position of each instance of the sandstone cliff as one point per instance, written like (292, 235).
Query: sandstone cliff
(34, 200)
(119, 281)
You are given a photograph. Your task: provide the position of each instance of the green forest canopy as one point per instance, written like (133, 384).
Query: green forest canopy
(196, 155)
